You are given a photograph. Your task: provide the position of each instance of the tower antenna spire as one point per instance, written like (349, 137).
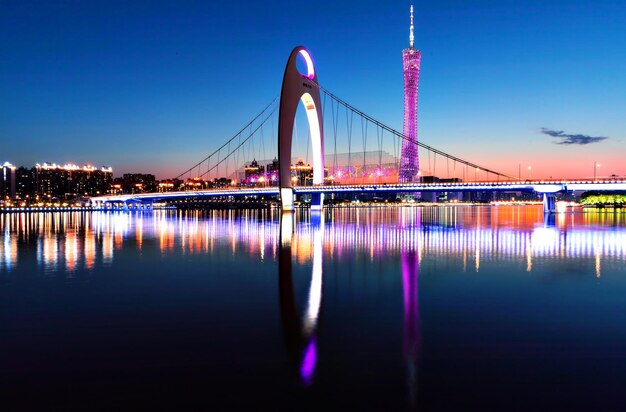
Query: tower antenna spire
(411, 38)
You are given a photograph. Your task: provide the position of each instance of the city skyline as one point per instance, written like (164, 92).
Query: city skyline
(149, 87)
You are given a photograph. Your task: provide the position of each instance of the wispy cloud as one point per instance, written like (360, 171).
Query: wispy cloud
(565, 138)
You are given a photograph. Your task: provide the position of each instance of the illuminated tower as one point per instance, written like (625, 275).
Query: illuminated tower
(409, 160)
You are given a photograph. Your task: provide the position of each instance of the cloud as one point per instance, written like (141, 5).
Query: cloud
(581, 139)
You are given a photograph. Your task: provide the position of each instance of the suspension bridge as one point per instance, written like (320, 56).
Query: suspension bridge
(358, 154)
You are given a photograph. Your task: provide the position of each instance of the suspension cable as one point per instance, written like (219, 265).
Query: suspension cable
(406, 138)
(252, 133)
(229, 140)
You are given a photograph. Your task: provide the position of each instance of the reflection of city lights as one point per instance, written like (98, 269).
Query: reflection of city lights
(561, 207)
(529, 257)
(71, 251)
(8, 253)
(544, 240)
(493, 234)
(50, 251)
(90, 250)
(477, 259)
(107, 247)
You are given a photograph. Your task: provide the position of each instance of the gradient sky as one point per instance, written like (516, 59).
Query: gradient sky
(151, 86)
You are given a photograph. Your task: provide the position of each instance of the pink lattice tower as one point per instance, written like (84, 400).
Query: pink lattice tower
(409, 159)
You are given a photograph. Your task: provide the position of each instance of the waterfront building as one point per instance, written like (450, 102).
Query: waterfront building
(88, 180)
(409, 159)
(70, 181)
(302, 174)
(138, 183)
(165, 186)
(372, 166)
(7, 181)
(254, 173)
(221, 182)
(271, 171)
(49, 179)
(116, 186)
(25, 186)
(195, 183)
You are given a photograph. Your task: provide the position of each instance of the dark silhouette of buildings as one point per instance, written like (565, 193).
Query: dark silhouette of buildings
(137, 183)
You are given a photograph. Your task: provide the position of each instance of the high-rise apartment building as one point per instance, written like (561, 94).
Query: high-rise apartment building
(71, 181)
(7, 181)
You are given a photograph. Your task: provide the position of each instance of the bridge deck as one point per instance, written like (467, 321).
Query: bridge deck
(543, 186)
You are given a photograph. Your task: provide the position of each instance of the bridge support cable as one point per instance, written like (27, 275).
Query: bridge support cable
(379, 140)
(454, 169)
(263, 144)
(396, 155)
(228, 162)
(235, 136)
(335, 125)
(406, 138)
(241, 143)
(364, 137)
(349, 121)
(323, 117)
(236, 152)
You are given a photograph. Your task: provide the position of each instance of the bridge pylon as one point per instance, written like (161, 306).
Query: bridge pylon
(300, 87)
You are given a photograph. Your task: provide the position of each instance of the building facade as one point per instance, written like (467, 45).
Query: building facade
(69, 181)
(7, 181)
(138, 183)
(25, 182)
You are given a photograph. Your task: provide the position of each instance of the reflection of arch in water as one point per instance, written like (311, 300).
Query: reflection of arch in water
(300, 334)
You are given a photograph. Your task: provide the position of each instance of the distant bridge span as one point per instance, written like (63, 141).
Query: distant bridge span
(548, 188)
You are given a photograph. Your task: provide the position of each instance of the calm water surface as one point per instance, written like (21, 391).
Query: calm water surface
(449, 308)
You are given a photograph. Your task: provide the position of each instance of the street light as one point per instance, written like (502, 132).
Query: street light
(595, 168)
(530, 173)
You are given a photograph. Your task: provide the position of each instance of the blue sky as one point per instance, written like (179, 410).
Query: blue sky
(151, 86)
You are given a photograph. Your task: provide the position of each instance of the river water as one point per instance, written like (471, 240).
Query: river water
(435, 308)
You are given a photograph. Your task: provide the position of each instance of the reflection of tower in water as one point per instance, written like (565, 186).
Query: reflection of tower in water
(410, 258)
